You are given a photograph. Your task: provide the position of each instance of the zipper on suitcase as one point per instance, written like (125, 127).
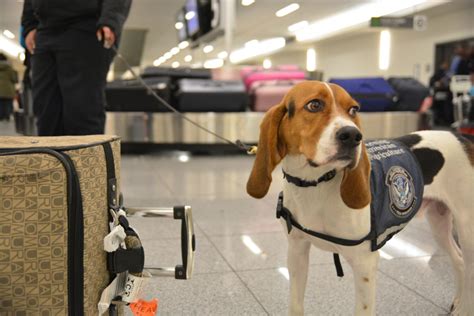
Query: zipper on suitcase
(75, 224)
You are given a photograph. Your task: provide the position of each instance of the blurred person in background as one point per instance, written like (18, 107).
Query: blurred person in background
(70, 44)
(442, 96)
(8, 79)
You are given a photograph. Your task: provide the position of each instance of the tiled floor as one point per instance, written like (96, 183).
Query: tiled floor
(230, 279)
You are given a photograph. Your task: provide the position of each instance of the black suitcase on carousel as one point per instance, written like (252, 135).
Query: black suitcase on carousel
(177, 73)
(202, 95)
(66, 247)
(132, 96)
(410, 91)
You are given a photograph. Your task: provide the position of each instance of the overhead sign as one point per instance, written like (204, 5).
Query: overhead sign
(418, 22)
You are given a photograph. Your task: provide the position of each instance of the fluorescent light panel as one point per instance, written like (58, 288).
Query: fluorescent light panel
(183, 44)
(213, 63)
(10, 47)
(263, 47)
(179, 25)
(284, 271)
(384, 50)
(174, 51)
(287, 10)
(267, 63)
(175, 64)
(353, 17)
(188, 58)
(208, 48)
(190, 15)
(311, 59)
(298, 26)
(9, 34)
(223, 55)
(247, 2)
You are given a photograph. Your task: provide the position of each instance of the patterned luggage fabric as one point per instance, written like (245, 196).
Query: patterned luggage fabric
(54, 194)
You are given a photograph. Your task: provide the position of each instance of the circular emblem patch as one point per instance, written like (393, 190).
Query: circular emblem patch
(402, 191)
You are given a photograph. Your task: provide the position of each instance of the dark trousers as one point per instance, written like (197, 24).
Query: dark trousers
(6, 108)
(69, 70)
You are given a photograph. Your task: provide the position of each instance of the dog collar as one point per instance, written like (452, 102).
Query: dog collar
(305, 183)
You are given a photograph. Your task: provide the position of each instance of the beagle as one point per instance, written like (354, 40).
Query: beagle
(330, 173)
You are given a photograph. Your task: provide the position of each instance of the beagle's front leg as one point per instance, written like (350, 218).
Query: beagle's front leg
(364, 266)
(298, 260)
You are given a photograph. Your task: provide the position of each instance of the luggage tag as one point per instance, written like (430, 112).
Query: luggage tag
(144, 308)
(111, 292)
(134, 285)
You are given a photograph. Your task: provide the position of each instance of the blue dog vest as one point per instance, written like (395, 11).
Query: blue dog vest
(396, 184)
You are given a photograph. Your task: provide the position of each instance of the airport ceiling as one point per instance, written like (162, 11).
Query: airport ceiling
(256, 21)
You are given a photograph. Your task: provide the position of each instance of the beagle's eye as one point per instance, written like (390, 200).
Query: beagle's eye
(353, 110)
(314, 106)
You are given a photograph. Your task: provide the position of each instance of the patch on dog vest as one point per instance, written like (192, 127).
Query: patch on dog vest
(396, 183)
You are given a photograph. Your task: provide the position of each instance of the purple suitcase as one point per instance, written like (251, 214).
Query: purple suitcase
(266, 94)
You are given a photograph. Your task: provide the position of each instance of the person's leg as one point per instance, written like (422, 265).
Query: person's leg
(47, 102)
(9, 109)
(3, 107)
(82, 74)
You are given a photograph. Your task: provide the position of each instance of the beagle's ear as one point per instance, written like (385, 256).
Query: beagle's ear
(355, 186)
(270, 152)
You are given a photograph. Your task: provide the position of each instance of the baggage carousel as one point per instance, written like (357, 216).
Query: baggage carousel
(169, 130)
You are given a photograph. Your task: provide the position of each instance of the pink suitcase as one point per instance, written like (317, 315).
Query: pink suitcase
(272, 75)
(266, 94)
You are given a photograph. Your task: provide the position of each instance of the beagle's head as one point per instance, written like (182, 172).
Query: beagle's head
(320, 122)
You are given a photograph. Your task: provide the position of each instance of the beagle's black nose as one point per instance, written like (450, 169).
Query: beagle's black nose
(349, 136)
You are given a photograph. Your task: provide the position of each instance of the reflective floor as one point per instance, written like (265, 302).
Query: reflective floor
(241, 250)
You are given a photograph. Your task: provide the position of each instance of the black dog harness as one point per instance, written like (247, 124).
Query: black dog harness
(396, 184)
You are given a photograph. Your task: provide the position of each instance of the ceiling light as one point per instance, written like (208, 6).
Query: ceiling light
(10, 47)
(352, 18)
(175, 64)
(287, 10)
(223, 55)
(179, 25)
(190, 15)
(8, 34)
(196, 65)
(251, 43)
(156, 62)
(183, 44)
(384, 50)
(188, 58)
(263, 47)
(267, 63)
(311, 59)
(167, 55)
(247, 2)
(297, 26)
(174, 51)
(213, 63)
(208, 49)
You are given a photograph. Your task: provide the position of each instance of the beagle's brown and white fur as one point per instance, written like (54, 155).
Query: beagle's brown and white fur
(302, 133)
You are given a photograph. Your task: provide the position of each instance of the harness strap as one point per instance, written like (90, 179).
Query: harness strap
(283, 212)
(305, 183)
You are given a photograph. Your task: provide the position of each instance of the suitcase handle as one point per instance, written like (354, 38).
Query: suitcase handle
(182, 271)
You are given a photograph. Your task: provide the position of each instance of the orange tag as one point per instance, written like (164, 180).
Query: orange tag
(144, 308)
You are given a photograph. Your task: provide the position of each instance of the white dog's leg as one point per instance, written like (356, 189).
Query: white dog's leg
(298, 260)
(364, 266)
(465, 230)
(440, 218)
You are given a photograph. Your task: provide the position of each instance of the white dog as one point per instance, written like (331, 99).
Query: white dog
(328, 197)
